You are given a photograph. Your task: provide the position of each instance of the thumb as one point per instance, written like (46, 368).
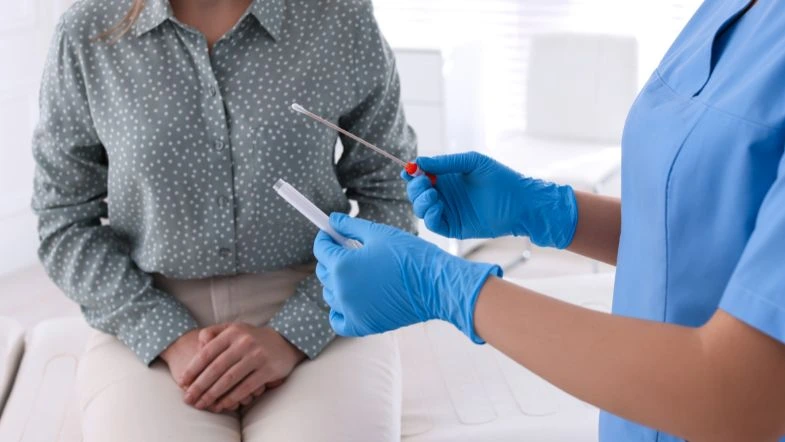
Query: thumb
(456, 163)
(355, 228)
(361, 229)
(325, 249)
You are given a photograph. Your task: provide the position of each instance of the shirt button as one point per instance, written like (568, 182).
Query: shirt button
(223, 201)
(224, 252)
(212, 90)
(219, 145)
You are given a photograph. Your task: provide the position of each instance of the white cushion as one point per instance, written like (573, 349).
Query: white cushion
(11, 348)
(43, 404)
(455, 390)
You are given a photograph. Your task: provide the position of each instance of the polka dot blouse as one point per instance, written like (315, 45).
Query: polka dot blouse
(156, 155)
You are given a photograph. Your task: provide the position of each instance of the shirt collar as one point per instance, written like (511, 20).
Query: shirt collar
(269, 13)
(153, 14)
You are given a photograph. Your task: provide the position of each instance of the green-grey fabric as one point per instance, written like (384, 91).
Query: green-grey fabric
(177, 149)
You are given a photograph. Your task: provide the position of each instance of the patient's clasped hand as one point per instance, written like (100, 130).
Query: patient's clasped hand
(228, 365)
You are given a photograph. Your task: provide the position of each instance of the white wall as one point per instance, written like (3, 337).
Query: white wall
(505, 29)
(25, 30)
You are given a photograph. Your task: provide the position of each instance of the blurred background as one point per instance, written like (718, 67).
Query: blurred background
(542, 85)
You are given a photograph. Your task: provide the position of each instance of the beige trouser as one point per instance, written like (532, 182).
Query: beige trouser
(350, 392)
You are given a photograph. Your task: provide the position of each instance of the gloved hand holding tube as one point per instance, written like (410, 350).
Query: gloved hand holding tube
(394, 280)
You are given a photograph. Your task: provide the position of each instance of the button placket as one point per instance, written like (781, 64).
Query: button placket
(218, 128)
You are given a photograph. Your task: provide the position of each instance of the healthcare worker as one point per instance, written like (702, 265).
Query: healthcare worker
(694, 347)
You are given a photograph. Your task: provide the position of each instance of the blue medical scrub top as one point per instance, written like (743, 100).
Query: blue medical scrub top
(703, 182)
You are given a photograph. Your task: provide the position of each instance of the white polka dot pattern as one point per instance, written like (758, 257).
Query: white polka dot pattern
(178, 147)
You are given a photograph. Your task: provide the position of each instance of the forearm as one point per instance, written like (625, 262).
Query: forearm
(115, 296)
(691, 382)
(90, 262)
(599, 227)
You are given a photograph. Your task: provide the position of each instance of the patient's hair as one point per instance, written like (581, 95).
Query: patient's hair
(123, 26)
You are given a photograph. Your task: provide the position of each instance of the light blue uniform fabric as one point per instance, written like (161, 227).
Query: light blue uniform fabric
(703, 182)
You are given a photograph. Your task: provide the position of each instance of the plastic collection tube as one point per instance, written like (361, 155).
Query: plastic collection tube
(310, 211)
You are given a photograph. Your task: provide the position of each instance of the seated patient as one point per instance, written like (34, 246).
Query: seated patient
(170, 119)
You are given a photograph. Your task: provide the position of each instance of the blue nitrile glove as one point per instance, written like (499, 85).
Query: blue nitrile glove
(477, 197)
(394, 280)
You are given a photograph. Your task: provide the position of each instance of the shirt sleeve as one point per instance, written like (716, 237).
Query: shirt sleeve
(755, 293)
(91, 264)
(371, 180)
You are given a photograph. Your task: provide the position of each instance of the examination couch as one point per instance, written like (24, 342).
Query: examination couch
(452, 390)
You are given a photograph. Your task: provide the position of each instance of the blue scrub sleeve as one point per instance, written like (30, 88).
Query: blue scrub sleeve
(755, 293)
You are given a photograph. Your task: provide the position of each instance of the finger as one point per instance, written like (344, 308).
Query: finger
(405, 175)
(360, 229)
(250, 400)
(455, 163)
(207, 334)
(322, 274)
(274, 384)
(206, 355)
(434, 219)
(259, 392)
(417, 186)
(326, 250)
(248, 386)
(211, 374)
(339, 324)
(424, 202)
(355, 228)
(330, 298)
(228, 380)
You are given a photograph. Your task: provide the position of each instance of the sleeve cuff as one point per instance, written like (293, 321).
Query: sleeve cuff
(486, 271)
(755, 311)
(156, 329)
(304, 320)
